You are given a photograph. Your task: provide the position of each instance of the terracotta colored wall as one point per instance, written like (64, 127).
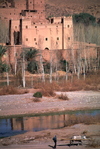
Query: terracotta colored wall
(21, 5)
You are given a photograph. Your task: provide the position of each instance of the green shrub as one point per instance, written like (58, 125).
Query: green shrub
(38, 95)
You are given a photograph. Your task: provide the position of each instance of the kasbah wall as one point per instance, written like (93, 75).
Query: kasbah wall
(28, 27)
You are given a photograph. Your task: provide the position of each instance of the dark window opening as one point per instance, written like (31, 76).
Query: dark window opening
(52, 20)
(16, 38)
(46, 39)
(26, 26)
(46, 48)
(34, 39)
(26, 39)
(68, 26)
(68, 38)
(57, 38)
(35, 26)
(62, 20)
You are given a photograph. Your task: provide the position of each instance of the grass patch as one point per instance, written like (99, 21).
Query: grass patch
(93, 143)
(36, 100)
(48, 89)
(85, 119)
(6, 90)
(63, 97)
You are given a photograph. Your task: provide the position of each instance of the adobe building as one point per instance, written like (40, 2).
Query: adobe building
(51, 35)
(33, 9)
(28, 27)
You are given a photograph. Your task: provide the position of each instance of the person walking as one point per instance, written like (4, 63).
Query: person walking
(55, 141)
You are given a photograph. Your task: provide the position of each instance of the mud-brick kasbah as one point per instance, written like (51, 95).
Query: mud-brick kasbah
(28, 27)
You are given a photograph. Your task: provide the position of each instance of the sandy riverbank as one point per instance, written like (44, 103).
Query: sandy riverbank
(23, 104)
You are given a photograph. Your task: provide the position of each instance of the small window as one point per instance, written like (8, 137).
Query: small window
(26, 26)
(35, 26)
(57, 38)
(68, 38)
(68, 26)
(26, 39)
(16, 27)
(34, 39)
(35, 43)
(46, 39)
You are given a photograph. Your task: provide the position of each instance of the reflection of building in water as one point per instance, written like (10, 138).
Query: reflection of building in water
(39, 122)
(17, 123)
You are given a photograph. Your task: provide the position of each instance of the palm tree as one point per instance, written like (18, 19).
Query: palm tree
(30, 57)
(3, 65)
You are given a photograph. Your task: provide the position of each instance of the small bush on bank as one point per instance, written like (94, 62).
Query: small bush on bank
(47, 89)
(37, 94)
(93, 143)
(63, 97)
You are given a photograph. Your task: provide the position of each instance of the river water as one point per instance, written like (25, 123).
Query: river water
(18, 125)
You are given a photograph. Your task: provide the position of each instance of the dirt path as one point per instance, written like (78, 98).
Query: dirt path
(23, 104)
(43, 139)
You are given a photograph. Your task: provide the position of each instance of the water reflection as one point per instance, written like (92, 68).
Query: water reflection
(12, 126)
(38, 123)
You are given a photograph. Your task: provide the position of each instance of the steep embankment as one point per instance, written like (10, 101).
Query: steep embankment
(65, 7)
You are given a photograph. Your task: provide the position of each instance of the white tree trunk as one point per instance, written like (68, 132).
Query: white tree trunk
(42, 67)
(56, 76)
(32, 81)
(66, 66)
(23, 70)
(15, 56)
(7, 77)
(51, 68)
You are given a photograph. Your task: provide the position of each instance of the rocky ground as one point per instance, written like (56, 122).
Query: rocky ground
(23, 104)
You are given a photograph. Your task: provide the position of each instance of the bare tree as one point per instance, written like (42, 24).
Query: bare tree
(23, 69)
(15, 56)
(40, 44)
(7, 70)
(51, 67)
